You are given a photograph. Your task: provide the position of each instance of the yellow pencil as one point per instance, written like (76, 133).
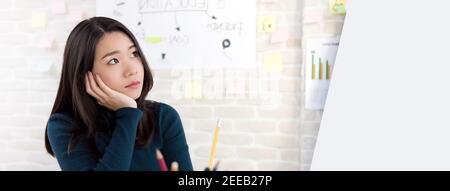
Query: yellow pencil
(213, 149)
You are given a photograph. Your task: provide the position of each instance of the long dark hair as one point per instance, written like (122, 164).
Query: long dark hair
(72, 97)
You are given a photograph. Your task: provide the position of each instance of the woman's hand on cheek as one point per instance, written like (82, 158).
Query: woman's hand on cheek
(106, 96)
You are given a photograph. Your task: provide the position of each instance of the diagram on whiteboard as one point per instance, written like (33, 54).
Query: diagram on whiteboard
(189, 33)
(320, 55)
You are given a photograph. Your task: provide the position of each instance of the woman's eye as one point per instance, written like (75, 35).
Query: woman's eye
(113, 61)
(135, 54)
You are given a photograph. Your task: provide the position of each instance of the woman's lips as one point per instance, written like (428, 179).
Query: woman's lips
(133, 85)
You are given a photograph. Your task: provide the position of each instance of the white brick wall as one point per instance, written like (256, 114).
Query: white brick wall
(266, 128)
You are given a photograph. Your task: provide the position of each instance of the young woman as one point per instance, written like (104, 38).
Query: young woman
(100, 119)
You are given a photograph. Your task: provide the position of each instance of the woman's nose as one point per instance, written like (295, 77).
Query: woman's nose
(131, 70)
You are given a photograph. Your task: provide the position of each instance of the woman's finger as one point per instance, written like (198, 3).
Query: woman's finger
(95, 88)
(103, 86)
(88, 87)
(89, 90)
(92, 93)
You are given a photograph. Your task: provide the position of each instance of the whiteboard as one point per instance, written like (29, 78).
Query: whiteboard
(189, 33)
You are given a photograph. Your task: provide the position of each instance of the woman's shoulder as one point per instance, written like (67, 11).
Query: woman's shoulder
(60, 124)
(163, 109)
(61, 121)
(169, 122)
(61, 117)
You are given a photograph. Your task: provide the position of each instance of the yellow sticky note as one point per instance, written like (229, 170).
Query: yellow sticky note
(193, 90)
(197, 89)
(39, 20)
(153, 39)
(273, 62)
(266, 24)
(337, 6)
(188, 90)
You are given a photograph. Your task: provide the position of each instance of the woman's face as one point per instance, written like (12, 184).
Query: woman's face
(119, 64)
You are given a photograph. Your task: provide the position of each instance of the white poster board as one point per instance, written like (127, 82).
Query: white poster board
(189, 33)
(320, 55)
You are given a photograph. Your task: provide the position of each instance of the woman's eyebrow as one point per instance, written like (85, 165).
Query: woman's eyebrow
(110, 53)
(117, 51)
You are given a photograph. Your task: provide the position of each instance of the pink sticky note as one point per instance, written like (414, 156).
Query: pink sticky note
(58, 6)
(240, 87)
(268, 1)
(281, 35)
(235, 88)
(230, 88)
(313, 16)
(76, 16)
(46, 41)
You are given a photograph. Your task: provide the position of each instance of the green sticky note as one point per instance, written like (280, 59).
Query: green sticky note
(338, 6)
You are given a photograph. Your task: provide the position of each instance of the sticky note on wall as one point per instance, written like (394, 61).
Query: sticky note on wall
(193, 89)
(280, 35)
(235, 88)
(273, 62)
(58, 6)
(266, 24)
(76, 16)
(338, 6)
(268, 1)
(46, 41)
(39, 20)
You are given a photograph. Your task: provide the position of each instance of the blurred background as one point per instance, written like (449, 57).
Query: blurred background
(265, 124)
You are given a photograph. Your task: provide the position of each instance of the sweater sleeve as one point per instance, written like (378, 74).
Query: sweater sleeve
(118, 153)
(175, 147)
